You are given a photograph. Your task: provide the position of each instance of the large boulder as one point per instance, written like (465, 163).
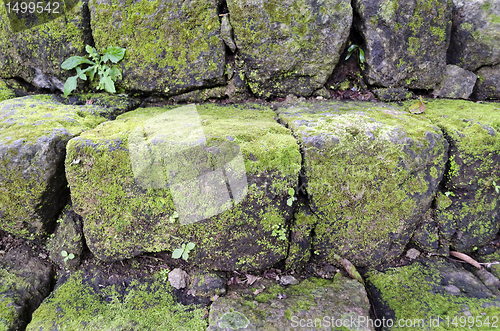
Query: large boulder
(34, 131)
(467, 208)
(435, 294)
(458, 83)
(488, 83)
(406, 41)
(215, 176)
(90, 299)
(340, 304)
(371, 172)
(25, 280)
(36, 51)
(172, 46)
(475, 38)
(289, 46)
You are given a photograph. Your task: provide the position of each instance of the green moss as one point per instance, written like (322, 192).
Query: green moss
(409, 291)
(141, 306)
(5, 91)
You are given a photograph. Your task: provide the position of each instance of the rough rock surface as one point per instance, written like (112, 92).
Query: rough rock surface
(427, 289)
(488, 83)
(289, 46)
(178, 278)
(34, 131)
(172, 46)
(297, 307)
(475, 37)
(25, 280)
(467, 208)
(392, 94)
(371, 172)
(36, 53)
(458, 83)
(406, 41)
(88, 299)
(224, 170)
(208, 283)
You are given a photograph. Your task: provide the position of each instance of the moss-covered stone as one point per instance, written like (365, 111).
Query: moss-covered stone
(36, 54)
(34, 131)
(172, 46)
(476, 34)
(406, 41)
(5, 91)
(458, 83)
(89, 301)
(371, 173)
(393, 94)
(467, 209)
(341, 304)
(25, 280)
(303, 223)
(289, 46)
(431, 294)
(488, 84)
(127, 213)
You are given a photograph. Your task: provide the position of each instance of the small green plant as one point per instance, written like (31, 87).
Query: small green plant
(279, 231)
(67, 256)
(173, 217)
(163, 274)
(449, 193)
(183, 251)
(352, 50)
(97, 65)
(292, 198)
(497, 187)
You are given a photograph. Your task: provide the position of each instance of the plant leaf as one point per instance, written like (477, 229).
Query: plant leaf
(177, 253)
(74, 61)
(69, 85)
(64, 253)
(185, 255)
(108, 84)
(71, 256)
(81, 73)
(115, 73)
(291, 192)
(289, 202)
(91, 72)
(114, 54)
(93, 53)
(190, 246)
(361, 56)
(348, 56)
(175, 214)
(353, 47)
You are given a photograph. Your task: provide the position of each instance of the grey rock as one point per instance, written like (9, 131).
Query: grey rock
(392, 94)
(288, 308)
(178, 278)
(289, 47)
(288, 280)
(476, 34)
(488, 83)
(226, 31)
(208, 284)
(458, 83)
(25, 280)
(412, 253)
(406, 41)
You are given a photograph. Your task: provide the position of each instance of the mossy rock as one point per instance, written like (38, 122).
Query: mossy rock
(88, 300)
(467, 209)
(36, 53)
(432, 294)
(312, 304)
(488, 83)
(5, 91)
(406, 41)
(458, 83)
(302, 225)
(292, 46)
(25, 280)
(33, 137)
(225, 174)
(172, 46)
(371, 172)
(475, 37)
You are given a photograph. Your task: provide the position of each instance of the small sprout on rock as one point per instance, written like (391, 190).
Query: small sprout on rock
(67, 256)
(449, 193)
(183, 251)
(173, 217)
(497, 187)
(292, 198)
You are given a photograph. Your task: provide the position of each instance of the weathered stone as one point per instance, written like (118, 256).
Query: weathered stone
(371, 172)
(36, 53)
(430, 292)
(392, 94)
(488, 83)
(426, 236)
(25, 280)
(313, 304)
(467, 208)
(172, 46)
(458, 83)
(412, 254)
(33, 135)
(406, 41)
(90, 299)
(224, 170)
(289, 46)
(208, 283)
(68, 237)
(226, 31)
(178, 278)
(475, 37)
(288, 280)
